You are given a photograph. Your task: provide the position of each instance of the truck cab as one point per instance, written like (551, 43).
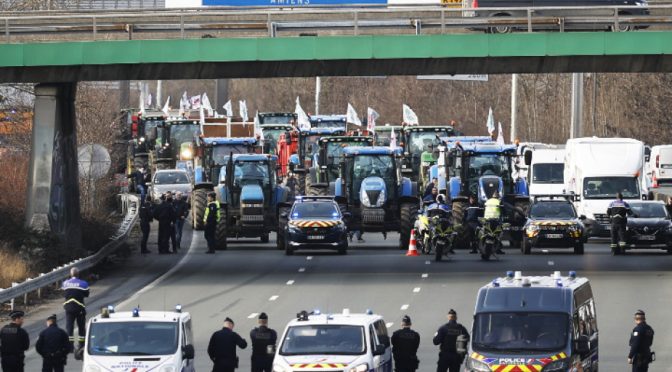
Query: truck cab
(546, 172)
(334, 342)
(534, 323)
(140, 341)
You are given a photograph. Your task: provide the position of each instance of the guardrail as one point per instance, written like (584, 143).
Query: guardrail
(130, 207)
(354, 20)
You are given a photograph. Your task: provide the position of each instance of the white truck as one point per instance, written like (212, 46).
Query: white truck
(596, 169)
(546, 172)
(659, 166)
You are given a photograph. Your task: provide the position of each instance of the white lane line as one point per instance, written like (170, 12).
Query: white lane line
(416, 289)
(252, 316)
(425, 276)
(309, 258)
(389, 325)
(404, 307)
(427, 262)
(544, 250)
(551, 263)
(290, 282)
(273, 298)
(302, 269)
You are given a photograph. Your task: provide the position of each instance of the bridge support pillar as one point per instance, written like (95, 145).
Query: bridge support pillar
(53, 180)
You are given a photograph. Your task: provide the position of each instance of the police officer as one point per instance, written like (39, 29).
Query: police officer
(263, 345)
(146, 218)
(76, 290)
(618, 212)
(222, 348)
(53, 346)
(471, 215)
(182, 208)
(493, 213)
(449, 357)
(14, 342)
(165, 214)
(405, 344)
(211, 219)
(641, 340)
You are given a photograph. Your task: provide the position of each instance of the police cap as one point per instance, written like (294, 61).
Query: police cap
(640, 313)
(263, 316)
(52, 317)
(229, 320)
(452, 312)
(16, 314)
(406, 319)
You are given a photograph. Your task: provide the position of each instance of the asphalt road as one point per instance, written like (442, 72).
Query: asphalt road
(250, 278)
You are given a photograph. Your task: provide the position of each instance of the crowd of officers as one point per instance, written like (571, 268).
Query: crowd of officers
(171, 214)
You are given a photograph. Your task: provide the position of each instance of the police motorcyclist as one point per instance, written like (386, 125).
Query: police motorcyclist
(641, 340)
(53, 346)
(14, 342)
(263, 341)
(618, 211)
(76, 290)
(449, 358)
(471, 215)
(493, 214)
(146, 218)
(222, 348)
(405, 344)
(211, 219)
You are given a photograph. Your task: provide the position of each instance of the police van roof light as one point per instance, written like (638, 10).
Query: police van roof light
(526, 282)
(110, 309)
(509, 274)
(558, 283)
(136, 312)
(557, 275)
(178, 308)
(518, 275)
(369, 312)
(572, 275)
(495, 283)
(317, 312)
(346, 311)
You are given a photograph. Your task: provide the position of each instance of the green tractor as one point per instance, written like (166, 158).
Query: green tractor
(301, 162)
(175, 143)
(416, 141)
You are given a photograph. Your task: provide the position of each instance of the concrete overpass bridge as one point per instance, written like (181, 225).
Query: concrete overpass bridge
(56, 66)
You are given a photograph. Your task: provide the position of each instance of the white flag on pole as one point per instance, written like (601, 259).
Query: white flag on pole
(229, 109)
(195, 102)
(352, 117)
(149, 100)
(202, 118)
(409, 117)
(491, 122)
(500, 134)
(166, 107)
(393, 139)
(302, 118)
(371, 117)
(142, 102)
(207, 106)
(243, 110)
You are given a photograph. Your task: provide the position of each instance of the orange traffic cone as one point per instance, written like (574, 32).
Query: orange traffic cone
(412, 250)
(654, 181)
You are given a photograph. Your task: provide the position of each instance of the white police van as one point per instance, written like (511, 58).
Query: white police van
(334, 343)
(139, 341)
(534, 323)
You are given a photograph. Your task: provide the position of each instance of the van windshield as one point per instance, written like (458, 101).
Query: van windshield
(324, 339)
(608, 187)
(133, 338)
(548, 173)
(520, 332)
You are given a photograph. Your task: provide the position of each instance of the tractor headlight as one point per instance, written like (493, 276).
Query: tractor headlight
(477, 365)
(381, 198)
(557, 366)
(365, 198)
(186, 154)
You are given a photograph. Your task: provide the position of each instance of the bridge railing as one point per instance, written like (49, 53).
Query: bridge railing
(130, 207)
(256, 21)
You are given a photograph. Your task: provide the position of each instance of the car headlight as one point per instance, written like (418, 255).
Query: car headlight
(573, 228)
(92, 369)
(168, 369)
(279, 368)
(477, 365)
(364, 367)
(557, 366)
(293, 229)
(532, 228)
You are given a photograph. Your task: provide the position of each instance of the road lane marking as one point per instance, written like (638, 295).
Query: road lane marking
(416, 289)
(252, 316)
(404, 307)
(389, 325)
(424, 276)
(309, 258)
(427, 262)
(290, 282)
(302, 269)
(544, 250)
(551, 263)
(273, 298)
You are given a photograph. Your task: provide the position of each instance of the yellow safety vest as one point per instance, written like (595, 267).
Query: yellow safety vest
(492, 209)
(207, 211)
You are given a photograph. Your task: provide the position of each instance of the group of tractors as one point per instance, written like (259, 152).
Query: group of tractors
(379, 177)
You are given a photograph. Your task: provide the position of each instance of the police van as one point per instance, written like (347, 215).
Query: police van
(139, 341)
(334, 343)
(534, 323)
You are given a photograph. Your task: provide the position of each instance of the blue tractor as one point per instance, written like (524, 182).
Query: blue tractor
(302, 162)
(372, 189)
(210, 156)
(250, 197)
(480, 169)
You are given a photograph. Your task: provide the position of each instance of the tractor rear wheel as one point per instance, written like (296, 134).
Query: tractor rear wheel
(198, 205)
(408, 214)
(221, 234)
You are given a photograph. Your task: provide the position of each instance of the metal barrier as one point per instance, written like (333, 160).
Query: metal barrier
(130, 206)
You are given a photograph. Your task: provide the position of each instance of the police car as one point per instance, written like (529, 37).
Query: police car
(139, 341)
(334, 343)
(315, 222)
(552, 222)
(534, 323)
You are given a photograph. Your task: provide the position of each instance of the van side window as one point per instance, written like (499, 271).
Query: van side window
(188, 333)
(587, 319)
(374, 338)
(381, 332)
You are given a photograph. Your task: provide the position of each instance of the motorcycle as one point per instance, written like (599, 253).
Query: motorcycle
(421, 228)
(442, 234)
(490, 237)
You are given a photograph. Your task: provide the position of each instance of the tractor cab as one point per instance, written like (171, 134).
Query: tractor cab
(330, 154)
(383, 135)
(418, 140)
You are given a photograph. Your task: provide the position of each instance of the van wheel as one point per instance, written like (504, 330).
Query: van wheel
(621, 27)
(578, 248)
(501, 29)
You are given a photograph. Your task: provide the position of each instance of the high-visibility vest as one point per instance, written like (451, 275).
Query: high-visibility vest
(207, 211)
(492, 209)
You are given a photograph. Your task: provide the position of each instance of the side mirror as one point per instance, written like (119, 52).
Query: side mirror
(347, 215)
(581, 345)
(528, 158)
(582, 217)
(188, 351)
(380, 350)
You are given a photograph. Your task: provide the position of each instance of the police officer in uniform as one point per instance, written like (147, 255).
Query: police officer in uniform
(76, 290)
(14, 341)
(222, 348)
(263, 345)
(471, 215)
(450, 359)
(146, 212)
(618, 211)
(641, 340)
(211, 219)
(493, 214)
(53, 345)
(405, 344)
